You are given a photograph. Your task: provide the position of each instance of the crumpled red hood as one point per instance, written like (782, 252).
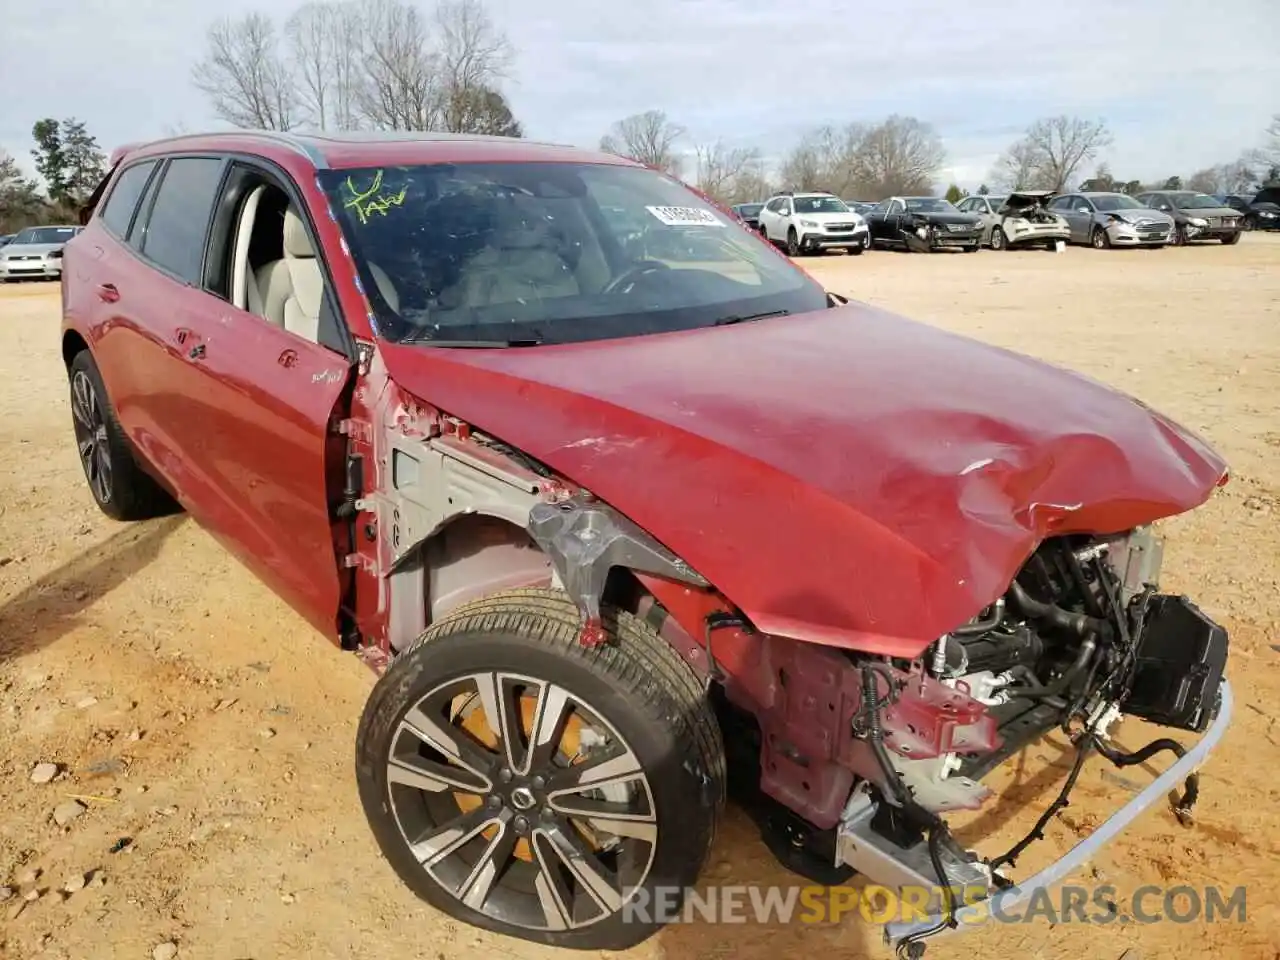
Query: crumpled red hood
(846, 476)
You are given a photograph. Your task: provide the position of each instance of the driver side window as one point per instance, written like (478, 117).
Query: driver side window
(897, 206)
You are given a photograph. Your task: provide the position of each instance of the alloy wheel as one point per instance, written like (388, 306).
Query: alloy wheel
(91, 436)
(521, 801)
(997, 239)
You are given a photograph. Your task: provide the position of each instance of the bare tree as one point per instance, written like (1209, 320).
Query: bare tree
(474, 55)
(827, 158)
(647, 138)
(325, 45)
(400, 87)
(1203, 181)
(1018, 168)
(729, 175)
(243, 75)
(899, 155)
(1052, 150)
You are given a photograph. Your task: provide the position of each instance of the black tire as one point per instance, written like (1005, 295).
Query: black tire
(120, 487)
(973, 248)
(1179, 238)
(1231, 238)
(635, 682)
(793, 243)
(1099, 239)
(998, 241)
(857, 251)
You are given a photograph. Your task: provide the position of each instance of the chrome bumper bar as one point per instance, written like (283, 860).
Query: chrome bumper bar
(1007, 900)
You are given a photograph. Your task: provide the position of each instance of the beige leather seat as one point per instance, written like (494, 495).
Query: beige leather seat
(292, 288)
(519, 262)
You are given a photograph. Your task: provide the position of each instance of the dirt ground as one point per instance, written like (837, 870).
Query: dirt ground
(209, 732)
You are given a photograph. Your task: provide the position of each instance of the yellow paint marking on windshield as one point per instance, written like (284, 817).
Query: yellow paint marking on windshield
(368, 202)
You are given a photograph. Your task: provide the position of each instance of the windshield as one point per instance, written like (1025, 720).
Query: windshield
(820, 205)
(501, 253)
(749, 209)
(1194, 201)
(1116, 201)
(45, 235)
(929, 205)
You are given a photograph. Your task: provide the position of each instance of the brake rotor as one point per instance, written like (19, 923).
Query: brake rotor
(474, 721)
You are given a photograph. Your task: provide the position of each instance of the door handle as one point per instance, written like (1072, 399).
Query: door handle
(108, 293)
(197, 352)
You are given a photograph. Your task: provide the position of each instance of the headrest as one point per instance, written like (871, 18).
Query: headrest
(296, 241)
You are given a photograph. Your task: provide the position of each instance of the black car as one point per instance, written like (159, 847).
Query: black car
(1261, 211)
(923, 224)
(1196, 216)
(748, 213)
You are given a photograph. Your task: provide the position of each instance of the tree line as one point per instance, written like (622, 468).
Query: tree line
(70, 163)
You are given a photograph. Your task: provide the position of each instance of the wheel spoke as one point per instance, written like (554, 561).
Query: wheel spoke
(618, 767)
(547, 727)
(457, 748)
(448, 838)
(433, 777)
(620, 819)
(475, 888)
(552, 896)
(590, 874)
(499, 711)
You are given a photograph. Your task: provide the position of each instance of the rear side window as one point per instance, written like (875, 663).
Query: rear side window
(180, 216)
(121, 203)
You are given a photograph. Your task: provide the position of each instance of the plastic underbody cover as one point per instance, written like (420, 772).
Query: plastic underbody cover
(846, 476)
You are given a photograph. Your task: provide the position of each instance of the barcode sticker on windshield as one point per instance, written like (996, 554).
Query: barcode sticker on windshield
(686, 216)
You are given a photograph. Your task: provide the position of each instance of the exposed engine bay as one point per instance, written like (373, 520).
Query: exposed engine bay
(1030, 209)
(1080, 638)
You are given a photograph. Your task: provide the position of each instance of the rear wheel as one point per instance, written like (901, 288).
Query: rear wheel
(1099, 239)
(122, 490)
(534, 800)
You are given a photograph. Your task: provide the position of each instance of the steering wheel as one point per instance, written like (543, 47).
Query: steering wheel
(641, 269)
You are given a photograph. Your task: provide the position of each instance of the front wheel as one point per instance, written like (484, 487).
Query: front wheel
(529, 785)
(997, 239)
(793, 243)
(1231, 238)
(1099, 239)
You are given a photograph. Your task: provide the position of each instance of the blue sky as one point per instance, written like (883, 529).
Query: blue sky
(1182, 85)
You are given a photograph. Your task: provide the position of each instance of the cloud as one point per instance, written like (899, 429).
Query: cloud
(1181, 85)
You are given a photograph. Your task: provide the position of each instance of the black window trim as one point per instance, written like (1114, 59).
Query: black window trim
(137, 250)
(346, 347)
(101, 208)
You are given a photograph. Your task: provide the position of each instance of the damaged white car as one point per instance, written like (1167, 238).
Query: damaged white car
(1018, 220)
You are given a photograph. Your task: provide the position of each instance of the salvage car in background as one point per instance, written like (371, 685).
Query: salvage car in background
(419, 386)
(924, 224)
(1104, 220)
(748, 213)
(1261, 211)
(1196, 216)
(35, 253)
(1018, 220)
(805, 223)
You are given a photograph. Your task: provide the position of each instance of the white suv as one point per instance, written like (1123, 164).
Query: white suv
(813, 222)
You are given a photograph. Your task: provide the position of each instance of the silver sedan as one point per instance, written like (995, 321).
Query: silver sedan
(1104, 220)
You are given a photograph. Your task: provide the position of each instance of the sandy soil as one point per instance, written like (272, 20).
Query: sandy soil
(209, 732)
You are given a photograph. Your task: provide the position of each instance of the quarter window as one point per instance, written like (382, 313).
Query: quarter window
(180, 216)
(121, 204)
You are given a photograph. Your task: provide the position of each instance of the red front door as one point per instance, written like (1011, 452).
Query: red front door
(253, 408)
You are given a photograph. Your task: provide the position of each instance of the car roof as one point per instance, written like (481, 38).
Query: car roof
(376, 148)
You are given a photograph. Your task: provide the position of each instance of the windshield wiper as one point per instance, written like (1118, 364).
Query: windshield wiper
(747, 317)
(475, 344)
